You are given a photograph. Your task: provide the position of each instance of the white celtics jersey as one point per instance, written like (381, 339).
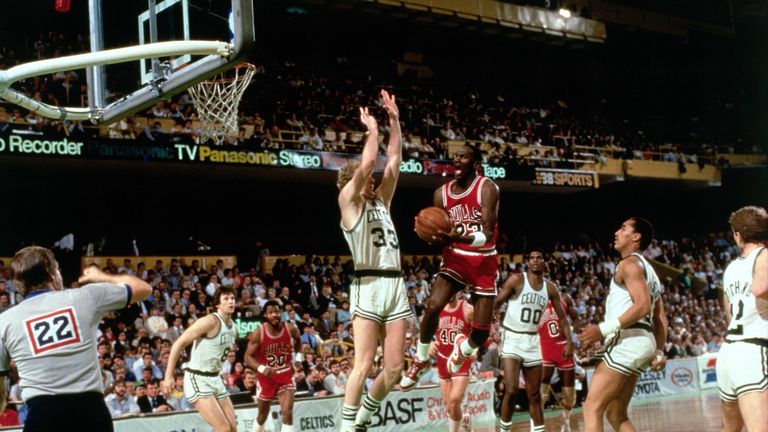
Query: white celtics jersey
(749, 315)
(524, 311)
(51, 336)
(619, 300)
(209, 353)
(373, 240)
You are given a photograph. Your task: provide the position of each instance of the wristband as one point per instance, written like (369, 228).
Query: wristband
(298, 357)
(261, 368)
(478, 239)
(659, 355)
(609, 327)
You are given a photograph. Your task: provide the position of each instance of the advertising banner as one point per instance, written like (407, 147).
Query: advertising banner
(707, 372)
(420, 409)
(680, 376)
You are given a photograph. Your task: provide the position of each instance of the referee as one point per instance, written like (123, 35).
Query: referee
(51, 336)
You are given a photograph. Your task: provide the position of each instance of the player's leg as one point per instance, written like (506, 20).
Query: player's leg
(547, 370)
(754, 413)
(568, 380)
(532, 384)
(511, 368)
(486, 272)
(732, 421)
(366, 342)
(442, 291)
(616, 411)
(606, 385)
(455, 398)
(392, 337)
(214, 413)
(261, 417)
(286, 409)
(445, 391)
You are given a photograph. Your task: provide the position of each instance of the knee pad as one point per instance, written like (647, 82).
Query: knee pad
(480, 334)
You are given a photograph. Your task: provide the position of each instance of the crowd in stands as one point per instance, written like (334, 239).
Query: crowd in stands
(134, 343)
(290, 105)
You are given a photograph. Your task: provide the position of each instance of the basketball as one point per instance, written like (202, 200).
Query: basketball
(430, 221)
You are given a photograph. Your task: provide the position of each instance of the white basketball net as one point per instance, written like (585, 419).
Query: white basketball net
(216, 101)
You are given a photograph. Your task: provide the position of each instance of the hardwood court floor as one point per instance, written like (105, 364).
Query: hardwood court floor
(693, 412)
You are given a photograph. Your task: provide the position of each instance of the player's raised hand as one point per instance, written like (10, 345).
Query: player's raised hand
(91, 274)
(390, 105)
(368, 120)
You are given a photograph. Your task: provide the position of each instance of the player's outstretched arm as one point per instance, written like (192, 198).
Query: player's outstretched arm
(394, 149)
(511, 286)
(140, 290)
(351, 190)
(760, 276)
(563, 324)
(660, 335)
(200, 328)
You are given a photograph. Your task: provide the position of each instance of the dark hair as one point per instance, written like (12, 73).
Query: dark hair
(477, 154)
(645, 229)
(267, 305)
(220, 291)
(751, 222)
(535, 248)
(34, 268)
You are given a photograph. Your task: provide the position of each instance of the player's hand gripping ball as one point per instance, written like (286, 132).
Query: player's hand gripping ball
(430, 221)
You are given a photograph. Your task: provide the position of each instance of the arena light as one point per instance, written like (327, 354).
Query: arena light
(564, 12)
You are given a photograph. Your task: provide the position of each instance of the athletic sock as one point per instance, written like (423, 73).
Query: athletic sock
(453, 425)
(538, 429)
(258, 427)
(566, 414)
(466, 348)
(422, 351)
(505, 426)
(348, 414)
(367, 408)
(287, 428)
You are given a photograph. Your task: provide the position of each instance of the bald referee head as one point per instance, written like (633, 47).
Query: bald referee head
(51, 336)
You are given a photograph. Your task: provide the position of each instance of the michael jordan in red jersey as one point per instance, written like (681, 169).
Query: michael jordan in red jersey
(467, 264)
(469, 259)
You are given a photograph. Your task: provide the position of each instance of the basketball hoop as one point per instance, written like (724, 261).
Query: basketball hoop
(216, 101)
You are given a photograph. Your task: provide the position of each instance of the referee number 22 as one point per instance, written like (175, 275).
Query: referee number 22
(52, 331)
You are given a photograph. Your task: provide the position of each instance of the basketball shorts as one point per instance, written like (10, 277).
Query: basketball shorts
(552, 355)
(75, 411)
(380, 299)
(630, 352)
(521, 346)
(477, 271)
(199, 384)
(445, 374)
(268, 388)
(742, 367)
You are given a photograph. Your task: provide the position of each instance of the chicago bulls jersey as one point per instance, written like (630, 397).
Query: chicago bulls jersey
(465, 210)
(452, 323)
(276, 352)
(549, 329)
